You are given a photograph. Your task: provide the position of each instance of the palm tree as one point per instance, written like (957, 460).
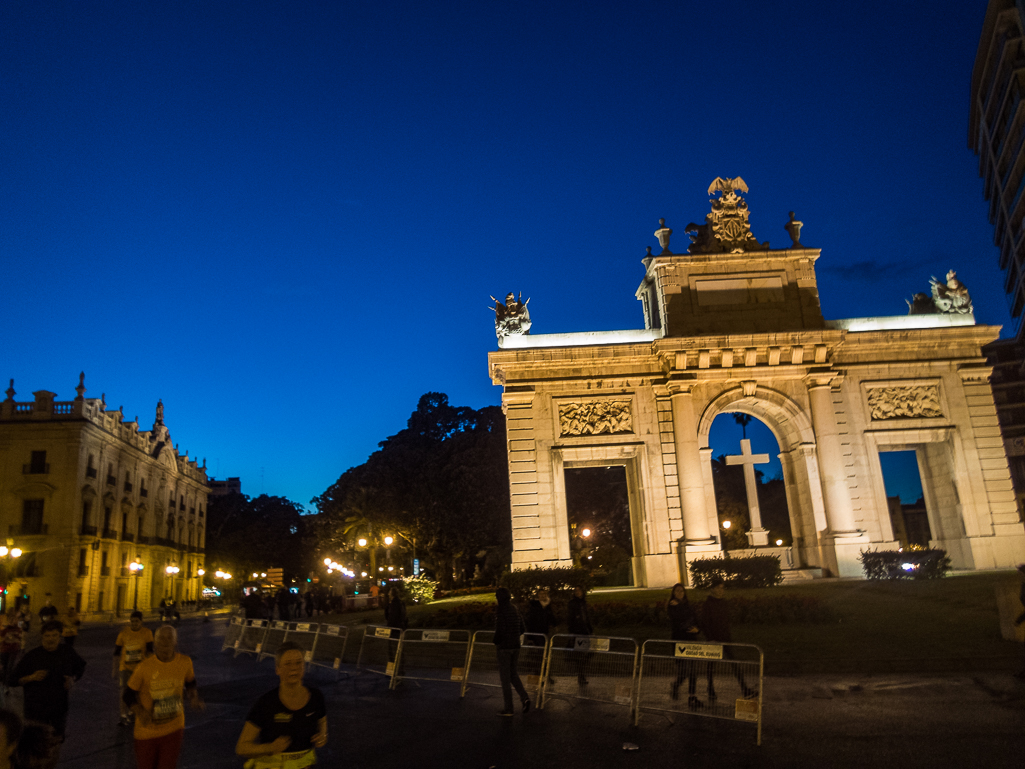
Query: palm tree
(743, 420)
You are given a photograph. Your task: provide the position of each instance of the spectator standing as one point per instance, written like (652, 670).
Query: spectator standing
(683, 627)
(47, 674)
(715, 621)
(578, 620)
(48, 612)
(282, 600)
(10, 733)
(155, 695)
(395, 609)
(11, 640)
(133, 644)
(508, 629)
(540, 614)
(71, 625)
(288, 723)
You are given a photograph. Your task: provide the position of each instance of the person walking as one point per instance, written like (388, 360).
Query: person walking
(395, 609)
(155, 695)
(47, 674)
(287, 724)
(133, 644)
(715, 622)
(578, 621)
(508, 629)
(11, 640)
(72, 623)
(684, 627)
(540, 620)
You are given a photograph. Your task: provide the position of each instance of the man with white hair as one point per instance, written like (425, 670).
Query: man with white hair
(156, 693)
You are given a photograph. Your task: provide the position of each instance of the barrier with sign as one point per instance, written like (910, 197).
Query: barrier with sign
(482, 662)
(233, 633)
(329, 647)
(274, 637)
(701, 679)
(432, 655)
(378, 649)
(597, 668)
(251, 640)
(304, 635)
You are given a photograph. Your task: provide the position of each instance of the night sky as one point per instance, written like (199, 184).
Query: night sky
(285, 219)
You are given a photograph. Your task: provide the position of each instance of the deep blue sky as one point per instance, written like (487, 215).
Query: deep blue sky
(285, 219)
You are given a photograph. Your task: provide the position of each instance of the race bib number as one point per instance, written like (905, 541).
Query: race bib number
(133, 655)
(167, 708)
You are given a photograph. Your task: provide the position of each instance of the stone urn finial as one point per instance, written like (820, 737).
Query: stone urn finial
(793, 228)
(663, 233)
(81, 387)
(10, 391)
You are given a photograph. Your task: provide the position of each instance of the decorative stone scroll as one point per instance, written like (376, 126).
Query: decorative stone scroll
(595, 418)
(904, 402)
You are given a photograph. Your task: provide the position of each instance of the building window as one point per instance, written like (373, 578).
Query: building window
(111, 480)
(90, 469)
(26, 566)
(104, 566)
(87, 515)
(170, 502)
(83, 565)
(32, 516)
(201, 512)
(78, 602)
(142, 488)
(107, 513)
(37, 465)
(99, 605)
(128, 481)
(139, 530)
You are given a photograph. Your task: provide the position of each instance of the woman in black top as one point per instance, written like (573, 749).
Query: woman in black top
(287, 723)
(684, 627)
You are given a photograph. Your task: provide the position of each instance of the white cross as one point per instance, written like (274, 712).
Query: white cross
(749, 460)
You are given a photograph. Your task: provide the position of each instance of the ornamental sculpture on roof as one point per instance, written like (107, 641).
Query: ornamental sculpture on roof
(949, 298)
(726, 228)
(511, 318)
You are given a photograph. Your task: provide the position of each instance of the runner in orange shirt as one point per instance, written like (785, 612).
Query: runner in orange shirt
(155, 695)
(134, 643)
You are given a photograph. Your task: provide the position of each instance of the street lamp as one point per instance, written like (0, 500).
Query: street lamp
(362, 541)
(5, 554)
(388, 540)
(726, 529)
(136, 567)
(585, 533)
(779, 543)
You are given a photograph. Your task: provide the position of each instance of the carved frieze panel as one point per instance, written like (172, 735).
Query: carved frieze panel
(918, 401)
(595, 417)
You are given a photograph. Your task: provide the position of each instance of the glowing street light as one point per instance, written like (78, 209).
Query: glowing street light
(169, 570)
(388, 540)
(201, 572)
(585, 533)
(15, 552)
(779, 543)
(327, 561)
(363, 574)
(362, 541)
(726, 524)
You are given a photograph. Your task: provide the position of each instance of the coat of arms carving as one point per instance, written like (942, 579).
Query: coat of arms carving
(726, 228)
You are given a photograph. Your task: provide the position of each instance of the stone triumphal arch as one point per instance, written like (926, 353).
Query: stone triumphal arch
(732, 325)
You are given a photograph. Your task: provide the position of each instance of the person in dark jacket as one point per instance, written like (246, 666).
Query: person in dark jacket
(715, 622)
(47, 674)
(395, 609)
(540, 614)
(578, 621)
(684, 627)
(508, 629)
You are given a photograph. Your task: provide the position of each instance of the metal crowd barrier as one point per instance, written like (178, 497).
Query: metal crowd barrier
(431, 655)
(701, 679)
(482, 662)
(329, 647)
(378, 650)
(274, 637)
(596, 668)
(251, 640)
(233, 633)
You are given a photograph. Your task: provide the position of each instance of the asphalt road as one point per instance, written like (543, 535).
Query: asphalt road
(841, 721)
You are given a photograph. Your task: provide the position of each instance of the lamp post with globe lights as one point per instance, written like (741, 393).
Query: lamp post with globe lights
(136, 568)
(7, 555)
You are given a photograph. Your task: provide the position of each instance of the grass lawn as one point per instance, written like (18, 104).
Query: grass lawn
(934, 626)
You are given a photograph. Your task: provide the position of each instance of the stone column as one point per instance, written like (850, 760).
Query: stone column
(688, 467)
(844, 538)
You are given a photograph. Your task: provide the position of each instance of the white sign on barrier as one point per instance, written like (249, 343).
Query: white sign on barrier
(699, 651)
(383, 632)
(331, 629)
(457, 674)
(308, 656)
(746, 710)
(624, 693)
(435, 635)
(302, 627)
(591, 644)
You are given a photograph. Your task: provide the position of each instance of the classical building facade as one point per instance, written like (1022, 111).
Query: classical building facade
(85, 494)
(733, 325)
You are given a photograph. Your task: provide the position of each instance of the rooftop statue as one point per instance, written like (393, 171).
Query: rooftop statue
(511, 318)
(950, 298)
(726, 228)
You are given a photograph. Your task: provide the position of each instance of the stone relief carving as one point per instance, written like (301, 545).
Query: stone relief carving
(595, 418)
(949, 298)
(513, 317)
(905, 401)
(726, 228)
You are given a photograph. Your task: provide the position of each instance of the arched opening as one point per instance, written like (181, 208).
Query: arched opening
(598, 514)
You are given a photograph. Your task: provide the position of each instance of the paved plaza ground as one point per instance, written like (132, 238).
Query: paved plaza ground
(905, 721)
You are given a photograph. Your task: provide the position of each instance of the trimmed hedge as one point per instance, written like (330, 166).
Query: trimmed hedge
(556, 580)
(756, 571)
(907, 564)
(420, 589)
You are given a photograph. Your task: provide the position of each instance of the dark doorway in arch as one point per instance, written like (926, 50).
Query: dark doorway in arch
(598, 512)
(904, 497)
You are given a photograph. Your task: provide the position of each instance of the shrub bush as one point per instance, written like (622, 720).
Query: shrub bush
(439, 594)
(556, 580)
(756, 571)
(420, 589)
(913, 563)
